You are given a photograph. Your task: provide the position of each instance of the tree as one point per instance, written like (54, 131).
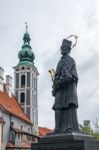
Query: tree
(86, 127)
(96, 130)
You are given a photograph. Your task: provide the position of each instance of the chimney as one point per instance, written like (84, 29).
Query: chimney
(1, 78)
(9, 85)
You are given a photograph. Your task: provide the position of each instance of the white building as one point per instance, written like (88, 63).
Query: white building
(19, 113)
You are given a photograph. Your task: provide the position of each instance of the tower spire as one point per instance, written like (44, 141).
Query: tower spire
(26, 37)
(26, 27)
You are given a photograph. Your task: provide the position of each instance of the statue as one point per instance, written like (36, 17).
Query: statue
(66, 135)
(65, 92)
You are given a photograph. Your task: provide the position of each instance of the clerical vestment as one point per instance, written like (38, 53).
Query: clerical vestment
(66, 75)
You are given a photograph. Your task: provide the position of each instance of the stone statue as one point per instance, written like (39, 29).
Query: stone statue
(66, 135)
(65, 92)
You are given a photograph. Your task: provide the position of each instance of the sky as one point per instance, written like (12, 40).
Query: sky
(49, 22)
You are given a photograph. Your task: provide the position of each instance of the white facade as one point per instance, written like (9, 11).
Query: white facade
(5, 129)
(15, 128)
(26, 92)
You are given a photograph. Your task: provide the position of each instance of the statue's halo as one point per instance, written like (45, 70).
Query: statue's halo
(76, 37)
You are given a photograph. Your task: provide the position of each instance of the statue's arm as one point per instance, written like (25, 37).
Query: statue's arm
(60, 82)
(66, 77)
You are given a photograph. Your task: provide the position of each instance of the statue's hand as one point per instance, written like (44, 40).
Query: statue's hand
(57, 84)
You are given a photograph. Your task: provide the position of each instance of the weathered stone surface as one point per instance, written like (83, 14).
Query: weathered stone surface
(68, 141)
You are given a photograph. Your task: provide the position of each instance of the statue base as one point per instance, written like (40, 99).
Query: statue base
(68, 141)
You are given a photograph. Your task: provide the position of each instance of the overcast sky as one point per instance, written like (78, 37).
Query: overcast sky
(49, 22)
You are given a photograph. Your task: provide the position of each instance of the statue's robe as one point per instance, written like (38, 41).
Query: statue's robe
(66, 100)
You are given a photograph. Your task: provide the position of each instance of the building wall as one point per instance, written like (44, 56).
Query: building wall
(6, 127)
(18, 123)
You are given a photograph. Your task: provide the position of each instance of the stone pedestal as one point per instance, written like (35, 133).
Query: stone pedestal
(68, 141)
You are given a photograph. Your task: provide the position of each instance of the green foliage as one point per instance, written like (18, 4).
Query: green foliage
(96, 132)
(96, 135)
(86, 127)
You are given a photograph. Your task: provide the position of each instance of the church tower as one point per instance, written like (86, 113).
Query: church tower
(26, 75)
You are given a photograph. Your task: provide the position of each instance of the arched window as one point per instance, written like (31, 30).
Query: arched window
(22, 80)
(22, 98)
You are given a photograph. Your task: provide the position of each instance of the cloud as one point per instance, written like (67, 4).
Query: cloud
(49, 22)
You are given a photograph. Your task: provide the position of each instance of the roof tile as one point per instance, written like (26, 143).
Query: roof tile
(11, 105)
(44, 131)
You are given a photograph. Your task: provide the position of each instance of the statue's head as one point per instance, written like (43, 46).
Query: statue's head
(66, 47)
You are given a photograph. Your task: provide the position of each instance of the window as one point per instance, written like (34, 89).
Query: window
(28, 79)
(29, 130)
(12, 124)
(12, 136)
(21, 127)
(29, 138)
(35, 84)
(28, 97)
(22, 98)
(33, 138)
(17, 80)
(19, 137)
(23, 81)
(28, 68)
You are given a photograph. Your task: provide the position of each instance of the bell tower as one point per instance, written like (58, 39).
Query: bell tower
(26, 75)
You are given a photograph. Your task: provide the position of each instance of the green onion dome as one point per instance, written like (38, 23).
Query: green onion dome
(26, 55)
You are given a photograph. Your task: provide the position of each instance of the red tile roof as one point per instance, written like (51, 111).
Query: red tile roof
(44, 131)
(11, 106)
